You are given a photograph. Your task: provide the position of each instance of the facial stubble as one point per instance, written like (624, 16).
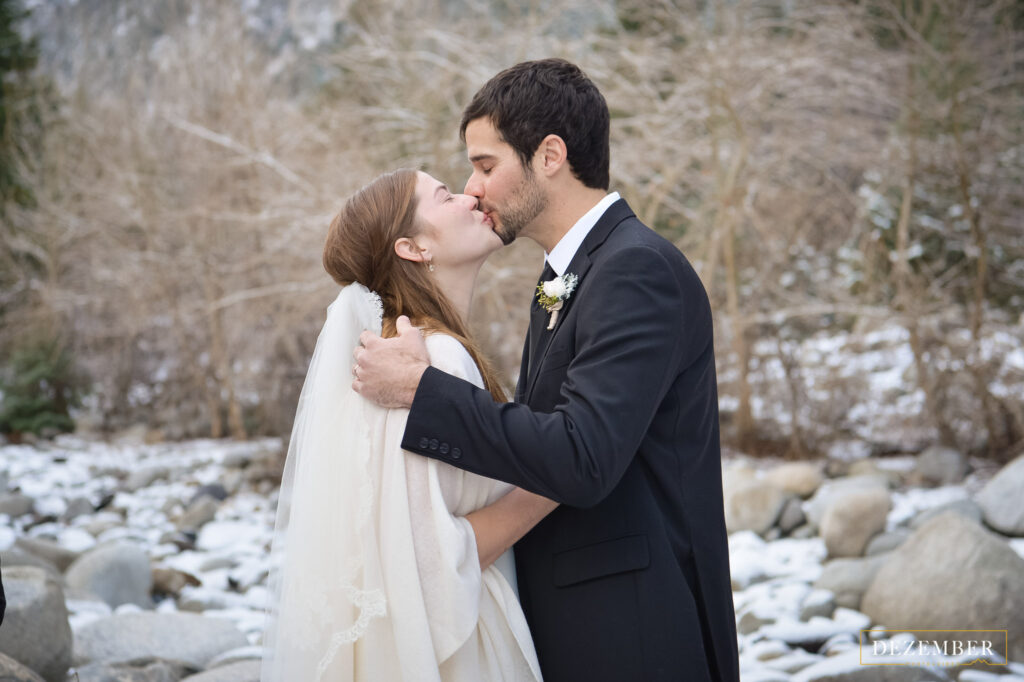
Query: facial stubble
(525, 204)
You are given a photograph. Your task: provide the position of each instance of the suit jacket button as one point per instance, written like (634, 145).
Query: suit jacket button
(433, 444)
(456, 453)
(424, 442)
(443, 449)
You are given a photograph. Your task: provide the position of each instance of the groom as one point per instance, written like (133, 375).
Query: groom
(616, 411)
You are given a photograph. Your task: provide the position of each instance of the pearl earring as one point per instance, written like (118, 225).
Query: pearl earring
(430, 266)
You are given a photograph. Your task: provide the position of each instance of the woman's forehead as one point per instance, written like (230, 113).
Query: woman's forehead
(427, 185)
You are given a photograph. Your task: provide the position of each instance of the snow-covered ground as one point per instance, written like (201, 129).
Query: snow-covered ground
(230, 557)
(773, 579)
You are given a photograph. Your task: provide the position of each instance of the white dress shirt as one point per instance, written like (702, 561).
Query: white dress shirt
(561, 256)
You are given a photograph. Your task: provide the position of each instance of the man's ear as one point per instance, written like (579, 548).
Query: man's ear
(551, 155)
(407, 249)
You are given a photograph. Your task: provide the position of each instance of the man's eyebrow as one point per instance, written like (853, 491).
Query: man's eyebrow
(480, 157)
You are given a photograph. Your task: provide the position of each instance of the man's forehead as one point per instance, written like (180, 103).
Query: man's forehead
(482, 130)
(483, 141)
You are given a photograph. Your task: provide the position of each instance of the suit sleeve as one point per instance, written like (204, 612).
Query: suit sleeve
(635, 330)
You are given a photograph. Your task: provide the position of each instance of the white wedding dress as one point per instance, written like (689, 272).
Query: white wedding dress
(377, 575)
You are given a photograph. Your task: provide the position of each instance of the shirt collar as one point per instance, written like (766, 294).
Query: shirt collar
(561, 256)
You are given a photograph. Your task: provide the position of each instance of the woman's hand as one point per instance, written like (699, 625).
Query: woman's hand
(500, 525)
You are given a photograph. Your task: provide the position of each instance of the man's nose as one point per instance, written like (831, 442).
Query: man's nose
(468, 200)
(474, 187)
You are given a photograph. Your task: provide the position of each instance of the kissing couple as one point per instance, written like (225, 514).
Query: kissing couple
(430, 529)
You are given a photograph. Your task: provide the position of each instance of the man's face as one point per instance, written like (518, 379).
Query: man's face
(509, 194)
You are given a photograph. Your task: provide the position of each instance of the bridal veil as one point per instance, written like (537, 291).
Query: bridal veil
(326, 585)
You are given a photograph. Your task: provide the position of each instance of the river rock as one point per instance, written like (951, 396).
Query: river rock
(238, 460)
(12, 671)
(140, 670)
(245, 653)
(214, 490)
(869, 467)
(833, 491)
(940, 465)
(117, 573)
(35, 630)
(753, 619)
(184, 540)
(804, 532)
(1001, 500)
(886, 542)
(798, 478)
(200, 512)
(234, 478)
(242, 671)
(101, 522)
(792, 516)
(818, 602)
(966, 508)
(754, 505)
(734, 476)
(185, 637)
(144, 477)
(78, 506)
(849, 579)
(853, 519)
(47, 550)
(951, 571)
(19, 557)
(16, 504)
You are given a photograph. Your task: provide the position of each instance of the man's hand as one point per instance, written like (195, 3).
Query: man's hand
(387, 371)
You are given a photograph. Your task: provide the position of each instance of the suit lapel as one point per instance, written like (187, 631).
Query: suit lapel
(540, 335)
(524, 371)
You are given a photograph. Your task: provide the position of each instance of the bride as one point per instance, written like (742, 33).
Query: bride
(389, 565)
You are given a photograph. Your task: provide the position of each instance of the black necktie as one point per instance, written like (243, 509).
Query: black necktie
(537, 317)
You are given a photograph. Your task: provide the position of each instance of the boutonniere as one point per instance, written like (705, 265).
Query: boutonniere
(554, 293)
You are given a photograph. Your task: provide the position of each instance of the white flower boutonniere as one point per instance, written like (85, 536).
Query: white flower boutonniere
(554, 293)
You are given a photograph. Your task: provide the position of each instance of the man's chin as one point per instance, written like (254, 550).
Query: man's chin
(504, 235)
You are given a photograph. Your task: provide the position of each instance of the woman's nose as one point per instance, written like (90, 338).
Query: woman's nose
(468, 200)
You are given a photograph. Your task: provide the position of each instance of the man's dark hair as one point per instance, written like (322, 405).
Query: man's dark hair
(532, 100)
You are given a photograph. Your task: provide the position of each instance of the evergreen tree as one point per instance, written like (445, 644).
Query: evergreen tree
(18, 58)
(38, 388)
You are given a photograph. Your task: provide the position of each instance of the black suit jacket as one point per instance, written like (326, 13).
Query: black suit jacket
(616, 417)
